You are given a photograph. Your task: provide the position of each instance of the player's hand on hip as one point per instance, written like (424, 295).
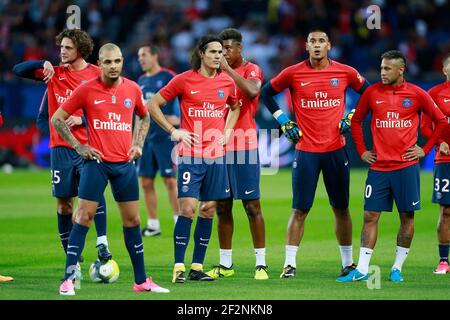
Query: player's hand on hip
(444, 148)
(184, 136)
(48, 72)
(135, 152)
(291, 131)
(369, 156)
(414, 153)
(345, 123)
(89, 153)
(73, 121)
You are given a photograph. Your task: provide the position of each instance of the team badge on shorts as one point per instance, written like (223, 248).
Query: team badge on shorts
(438, 195)
(407, 102)
(128, 103)
(221, 94)
(334, 82)
(185, 188)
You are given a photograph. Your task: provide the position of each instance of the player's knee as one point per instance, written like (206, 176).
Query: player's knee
(171, 183)
(371, 217)
(84, 217)
(188, 211)
(65, 206)
(147, 184)
(132, 221)
(300, 215)
(446, 212)
(207, 209)
(252, 209)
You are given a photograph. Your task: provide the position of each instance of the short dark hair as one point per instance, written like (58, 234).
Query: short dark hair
(80, 38)
(318, 29)
(201, 47)
(231, 34)
(394, 54)
(152, 48)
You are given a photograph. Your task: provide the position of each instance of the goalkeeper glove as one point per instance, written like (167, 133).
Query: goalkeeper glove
(345, 123)
(289, 128)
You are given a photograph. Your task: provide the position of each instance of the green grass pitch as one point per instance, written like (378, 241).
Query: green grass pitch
(30, 249)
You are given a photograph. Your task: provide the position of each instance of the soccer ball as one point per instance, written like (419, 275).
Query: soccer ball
(105, 272)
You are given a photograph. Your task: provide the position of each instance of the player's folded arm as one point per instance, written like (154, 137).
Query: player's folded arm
(27, 69)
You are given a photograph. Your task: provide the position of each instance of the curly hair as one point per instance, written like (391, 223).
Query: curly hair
(80, 38)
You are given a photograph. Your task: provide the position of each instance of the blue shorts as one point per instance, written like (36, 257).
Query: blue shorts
(205, 179)
(244, 173)
(157, 155)
(66, 165)
(441, 190)
(383, 187)
(306, 168)
(95, 176)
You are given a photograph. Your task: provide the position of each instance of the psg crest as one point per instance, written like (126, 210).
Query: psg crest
(128, 103)
(406, 102)
(221, 94)
(334, 82)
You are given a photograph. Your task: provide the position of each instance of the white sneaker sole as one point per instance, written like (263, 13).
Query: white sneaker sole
(67, 293)
(160, 290)
(440, 272)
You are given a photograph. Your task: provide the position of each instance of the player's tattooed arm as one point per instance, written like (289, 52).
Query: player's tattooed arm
(86, 151)
(140, 132)
(144, 126)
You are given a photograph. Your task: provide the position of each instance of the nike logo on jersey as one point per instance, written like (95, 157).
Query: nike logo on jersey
(98, 101)
(227, 190)
(248, 192)
(415, 202)
(446, 100)
(378, 102)
(194, 92)
(304, 83)
(59, 78)
(345, 163)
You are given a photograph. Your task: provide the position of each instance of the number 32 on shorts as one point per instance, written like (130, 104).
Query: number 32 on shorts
(441, 185)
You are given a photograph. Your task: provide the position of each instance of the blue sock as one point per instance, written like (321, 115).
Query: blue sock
(181, 235)
(100, 218)
(135, 247)
(64, 228)
(74, 248)
(201, 238)
(443, 252)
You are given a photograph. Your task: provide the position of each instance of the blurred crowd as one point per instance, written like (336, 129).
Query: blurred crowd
(274, 30)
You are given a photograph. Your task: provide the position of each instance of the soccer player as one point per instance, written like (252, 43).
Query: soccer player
(317, 87)
(206, 94)
(394, 160)
(242, 151)
(108, 101)
(441, 191)
(158, 146)
(75, 47)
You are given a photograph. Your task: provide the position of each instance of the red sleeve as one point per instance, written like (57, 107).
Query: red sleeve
(283, 80)
(254, 72)
(426, 126)
(139, 105)
(362, 110)
(75, 101)
(173, 89)
(39, 73)
(431, 109)
(232, 98)
(355, 80)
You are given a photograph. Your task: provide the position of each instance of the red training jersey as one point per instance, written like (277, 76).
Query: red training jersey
(109, 115)
(244, 134)
(204, 107)
(395, 122)
(319, 101)
(441, 96)
(63, 83)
